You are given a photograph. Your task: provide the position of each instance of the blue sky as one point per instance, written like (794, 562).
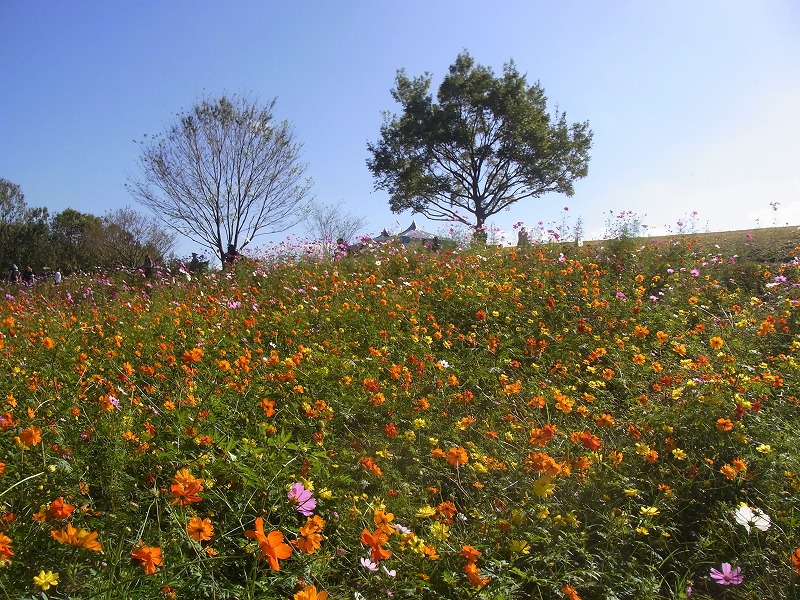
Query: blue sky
(695, 105)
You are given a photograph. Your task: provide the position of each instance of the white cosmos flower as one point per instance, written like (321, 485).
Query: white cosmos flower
(751, 517)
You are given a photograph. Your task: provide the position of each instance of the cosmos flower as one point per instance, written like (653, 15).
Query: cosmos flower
(310, 593)
(368, 564)
(457, 456)
(727, 576)
(46, 580)
(31, 436)
(375, 541)
(751, 517)
(80, 538)
(200, 529)
(272, 545)
(149, 557)
(59, 509)
(306, 503)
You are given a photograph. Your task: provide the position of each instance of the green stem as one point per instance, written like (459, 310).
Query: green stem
(20, 482)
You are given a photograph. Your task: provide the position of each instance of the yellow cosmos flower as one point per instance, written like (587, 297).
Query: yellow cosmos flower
(679, 454)
(440, 531)
(46, 580)
(519, 547)
(543, 486)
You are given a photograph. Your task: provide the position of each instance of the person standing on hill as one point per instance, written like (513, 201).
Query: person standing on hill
(148, 266)
(28, 278)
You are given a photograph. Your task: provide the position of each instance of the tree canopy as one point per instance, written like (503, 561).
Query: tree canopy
(486, 143)
(223, 173)
(75, 241)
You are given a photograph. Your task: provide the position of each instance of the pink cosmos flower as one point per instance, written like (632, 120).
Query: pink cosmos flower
(368, 564)
(727, 576)
(303, 498)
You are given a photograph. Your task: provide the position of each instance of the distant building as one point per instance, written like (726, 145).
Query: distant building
(412, 234)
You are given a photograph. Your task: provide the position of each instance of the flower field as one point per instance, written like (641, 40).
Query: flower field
(548, 422)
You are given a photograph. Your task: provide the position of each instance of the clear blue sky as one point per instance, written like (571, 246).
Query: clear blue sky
(695, 105)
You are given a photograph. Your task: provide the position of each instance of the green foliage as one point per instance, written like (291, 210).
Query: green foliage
(524, 420)
(74, 241)
(486, 143)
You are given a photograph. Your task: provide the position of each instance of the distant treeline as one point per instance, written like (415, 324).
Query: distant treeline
(73, 241)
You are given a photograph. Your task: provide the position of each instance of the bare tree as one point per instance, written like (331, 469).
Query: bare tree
(131, 235)
(326, 224)
(224, 173)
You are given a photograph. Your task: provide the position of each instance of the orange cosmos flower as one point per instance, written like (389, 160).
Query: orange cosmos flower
(605, 420)
(651, 456)
(80, 538)
(795, 559)
(728, 471)
(200, 530)
(383, 521)
(268, 406)
(370, 465)
(472, 570)
(457, 456)
(149, 557)
(59, 509)
(375, 540)
(470, 553)
(563, 403)
(581, 463)
(540, 436)
(391, 430)
(537, 402)
(570, 593)
(31, 436)
(272, 545)
(310, 593)
(716, 342)
(371, 385)
(48, 343)
(446, 510)
(310, 538)
(586, 439)
(724, 424)
(194, 355)
(544, 463)
(5, 548)
(185, 487)
(186, 494)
